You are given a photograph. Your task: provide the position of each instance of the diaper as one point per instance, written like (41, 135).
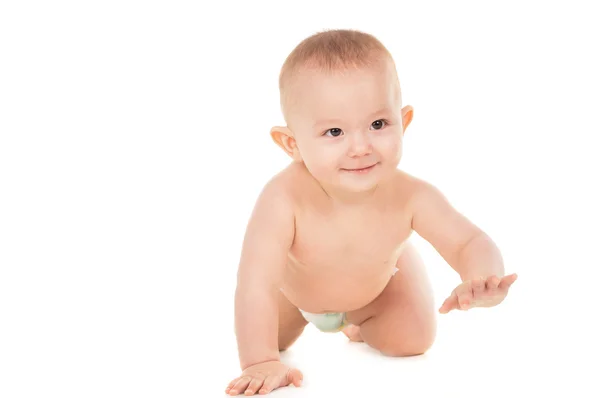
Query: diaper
(330, 322)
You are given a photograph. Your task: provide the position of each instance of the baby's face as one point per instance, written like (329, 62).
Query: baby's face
(346, 122)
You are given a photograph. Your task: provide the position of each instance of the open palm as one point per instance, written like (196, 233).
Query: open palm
(482, 292)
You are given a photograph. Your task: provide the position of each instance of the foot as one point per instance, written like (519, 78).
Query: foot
(353, 333)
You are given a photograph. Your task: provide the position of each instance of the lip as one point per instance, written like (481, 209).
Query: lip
(362, 170)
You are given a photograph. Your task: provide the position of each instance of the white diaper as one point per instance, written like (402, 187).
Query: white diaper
(330, 322)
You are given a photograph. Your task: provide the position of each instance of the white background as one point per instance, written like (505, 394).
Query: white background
(134, 141)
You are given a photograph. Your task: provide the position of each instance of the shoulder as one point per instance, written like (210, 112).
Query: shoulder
(299, 186)
(413, 184)
(414, 193)
(273, 213)
(285, 182)
(408, 187)
(277, 188)
(284, 188)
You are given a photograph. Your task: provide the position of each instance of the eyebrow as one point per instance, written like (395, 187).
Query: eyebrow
(332, 121)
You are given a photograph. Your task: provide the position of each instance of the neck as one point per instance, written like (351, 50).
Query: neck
(348, 198)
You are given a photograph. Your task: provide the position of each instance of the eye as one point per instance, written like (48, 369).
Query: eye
(335, 132)
(378, 124)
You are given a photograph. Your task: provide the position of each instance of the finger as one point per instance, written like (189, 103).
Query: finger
(445, 307)
(231, 384)
(294, 377)
(451, 303)
(271, 383)
(240, 386)
(464, 301)
(465, 296)
(478, 287)
(492, 283)
(507, 281)
(255, 384)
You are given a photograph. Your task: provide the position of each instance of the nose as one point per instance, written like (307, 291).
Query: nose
(359, 144)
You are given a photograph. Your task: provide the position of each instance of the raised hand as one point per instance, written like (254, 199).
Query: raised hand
(482, 292)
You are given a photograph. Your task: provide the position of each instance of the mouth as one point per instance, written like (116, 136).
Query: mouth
(361, 170)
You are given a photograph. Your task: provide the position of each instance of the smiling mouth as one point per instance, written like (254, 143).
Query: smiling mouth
(361, 170)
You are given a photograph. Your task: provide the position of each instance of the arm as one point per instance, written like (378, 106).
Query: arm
(464, 246)
(269, 235)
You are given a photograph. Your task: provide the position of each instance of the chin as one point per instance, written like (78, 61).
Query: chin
(360, 186)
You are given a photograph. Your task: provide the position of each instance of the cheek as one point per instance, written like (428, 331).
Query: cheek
(390, 147)
(325, 160)
(320, 160)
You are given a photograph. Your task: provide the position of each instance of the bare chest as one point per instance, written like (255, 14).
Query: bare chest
(352, 241)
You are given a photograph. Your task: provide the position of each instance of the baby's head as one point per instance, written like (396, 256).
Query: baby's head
(341, 101)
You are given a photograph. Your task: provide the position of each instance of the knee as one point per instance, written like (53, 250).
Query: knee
(407, 349)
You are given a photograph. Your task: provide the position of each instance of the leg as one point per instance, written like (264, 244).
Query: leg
(291, 323)
(401, 321)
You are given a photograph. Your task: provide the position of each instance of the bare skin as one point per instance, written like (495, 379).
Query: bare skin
(328, 231)
(342, 260)
(352, 272)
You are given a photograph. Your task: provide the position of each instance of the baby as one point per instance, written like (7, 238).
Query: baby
(327, 241)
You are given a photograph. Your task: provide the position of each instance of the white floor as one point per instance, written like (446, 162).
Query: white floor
(125, 333)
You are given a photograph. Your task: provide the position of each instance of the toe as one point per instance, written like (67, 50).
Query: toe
(353, 333)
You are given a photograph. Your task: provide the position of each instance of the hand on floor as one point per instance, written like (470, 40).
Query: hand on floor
(483, 292)
(263, 378)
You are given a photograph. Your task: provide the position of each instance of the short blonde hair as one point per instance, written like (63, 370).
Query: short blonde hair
(331, 51)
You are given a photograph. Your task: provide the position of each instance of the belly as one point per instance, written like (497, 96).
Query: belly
(341, 288)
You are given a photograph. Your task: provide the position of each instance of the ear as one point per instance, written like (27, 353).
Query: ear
(407, 115)
(284, 138)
